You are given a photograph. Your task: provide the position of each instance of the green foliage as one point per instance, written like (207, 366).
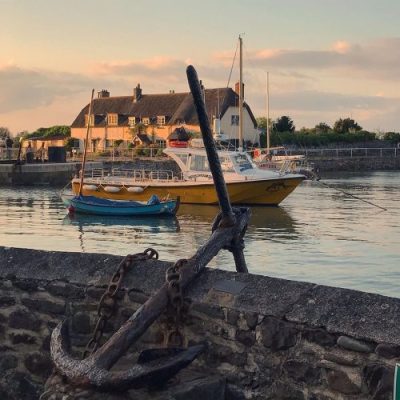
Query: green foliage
(394, 137)
(309, 138)
(4, 132)
(118, 142)
(346, 125)
(322, 127)
(53, 131)
(284, 124)
(262, 123)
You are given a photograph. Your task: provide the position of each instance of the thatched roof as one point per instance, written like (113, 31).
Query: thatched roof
(179, 134)
(176, 107)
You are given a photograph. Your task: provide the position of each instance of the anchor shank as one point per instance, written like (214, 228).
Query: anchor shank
(212, 155)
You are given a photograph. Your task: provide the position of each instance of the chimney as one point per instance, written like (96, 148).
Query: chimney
(103, 94)
(237, 88)
(137, 93)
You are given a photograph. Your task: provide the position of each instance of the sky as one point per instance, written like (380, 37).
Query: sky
(326, 59)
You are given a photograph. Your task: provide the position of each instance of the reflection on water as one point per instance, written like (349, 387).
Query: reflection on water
(318, 234)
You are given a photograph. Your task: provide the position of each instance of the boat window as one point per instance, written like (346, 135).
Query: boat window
(226, 164)
(199, 163)
(182, 157)
(242, 162)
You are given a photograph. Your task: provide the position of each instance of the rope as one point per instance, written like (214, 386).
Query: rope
(352, 195)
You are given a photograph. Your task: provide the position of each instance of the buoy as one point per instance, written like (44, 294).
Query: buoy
(71, 209)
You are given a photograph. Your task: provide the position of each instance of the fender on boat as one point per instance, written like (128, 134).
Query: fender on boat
(112, 189)
(135, 189)
(90, 187)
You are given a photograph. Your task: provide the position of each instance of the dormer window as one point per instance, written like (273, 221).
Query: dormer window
(131, 121)
(160, 119)
(112, 119)
(91, 120)
(146, 121)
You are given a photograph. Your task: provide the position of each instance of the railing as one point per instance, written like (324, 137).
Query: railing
(117, 155)
(8, 154)
(137, 175)
(349, 152)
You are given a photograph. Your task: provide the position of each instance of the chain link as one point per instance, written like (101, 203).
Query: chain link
(178, 306)
(108, 302)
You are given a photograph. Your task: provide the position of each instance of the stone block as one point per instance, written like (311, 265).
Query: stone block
(66, 290)
(21, 338)
(18, 385)
(81, 323)
(137, 297)
(95, 292)
(45, 306)
(26, 285)
(379, 380)
(209, 310)
(341, 381)
(232, 316)
(302, 371)
(251, 320)
(39, 364)
(388, 351)
(278, 335)
(7, 361)
(22, 319)
(355, 345)
(7, 301)
(319, 336)
(248, 338)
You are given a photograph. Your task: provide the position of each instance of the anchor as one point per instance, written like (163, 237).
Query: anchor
(156, 366)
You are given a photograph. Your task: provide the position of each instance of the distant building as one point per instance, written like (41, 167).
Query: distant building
(118, 118)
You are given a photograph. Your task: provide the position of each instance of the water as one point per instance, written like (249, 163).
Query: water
(317, 234)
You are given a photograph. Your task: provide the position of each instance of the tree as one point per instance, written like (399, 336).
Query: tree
(346, 125)
(4, 132)
(322, 127)
(262, 123)
(284, 124)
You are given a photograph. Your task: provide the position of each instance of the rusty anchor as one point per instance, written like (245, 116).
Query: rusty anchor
(157, 365)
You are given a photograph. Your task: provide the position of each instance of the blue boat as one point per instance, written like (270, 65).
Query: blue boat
(100, 206)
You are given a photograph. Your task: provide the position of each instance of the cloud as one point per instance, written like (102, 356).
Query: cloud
(377, 59)
(25, 88)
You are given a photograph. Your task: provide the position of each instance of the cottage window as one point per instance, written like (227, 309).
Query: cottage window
(161, 120)
(146, 121)
(131, 121)
(234, 119)
(91, 120)
(112, 119)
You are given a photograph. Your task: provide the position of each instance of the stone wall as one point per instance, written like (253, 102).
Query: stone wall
(266, 338)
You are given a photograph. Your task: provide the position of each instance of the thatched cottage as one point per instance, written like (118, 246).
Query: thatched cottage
(158, 115)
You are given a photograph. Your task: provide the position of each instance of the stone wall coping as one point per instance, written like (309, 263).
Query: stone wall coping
(361, 315)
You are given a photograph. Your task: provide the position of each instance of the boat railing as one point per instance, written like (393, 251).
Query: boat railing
(137, 175)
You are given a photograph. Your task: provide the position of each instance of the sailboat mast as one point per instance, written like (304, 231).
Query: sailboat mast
(86, 145)
(240, 94)
(268, 133)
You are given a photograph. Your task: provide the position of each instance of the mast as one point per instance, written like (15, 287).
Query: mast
(241, 95)
(268, 133)
(86, 145)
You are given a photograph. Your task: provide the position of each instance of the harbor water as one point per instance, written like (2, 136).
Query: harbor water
(318, 234)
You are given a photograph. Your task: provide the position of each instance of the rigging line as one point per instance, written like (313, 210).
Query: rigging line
(229, 78)
(351, 195)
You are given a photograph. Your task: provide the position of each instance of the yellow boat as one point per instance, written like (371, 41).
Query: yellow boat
(246, 183)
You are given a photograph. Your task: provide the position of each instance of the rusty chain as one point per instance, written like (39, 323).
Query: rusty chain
(178, 306)
(108, 301)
